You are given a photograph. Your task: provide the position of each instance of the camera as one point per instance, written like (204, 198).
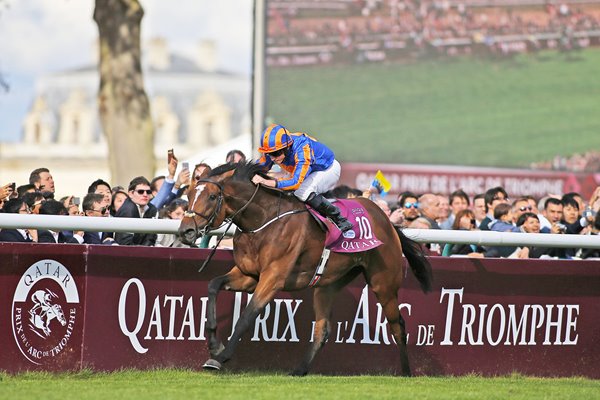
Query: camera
(561, 227)
(76, 201)
(13, 186)
(588, 212)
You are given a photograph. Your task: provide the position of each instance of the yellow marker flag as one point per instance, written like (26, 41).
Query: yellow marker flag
(381, 183)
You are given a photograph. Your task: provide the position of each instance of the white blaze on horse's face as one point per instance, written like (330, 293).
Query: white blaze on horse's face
(199, 190)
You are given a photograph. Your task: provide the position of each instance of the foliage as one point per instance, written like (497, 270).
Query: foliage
(186, 384)
(461, 111)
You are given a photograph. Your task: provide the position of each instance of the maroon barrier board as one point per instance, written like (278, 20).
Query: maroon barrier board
(135, 307)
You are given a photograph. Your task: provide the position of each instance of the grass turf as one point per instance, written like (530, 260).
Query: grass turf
(462, 111)
(185, 384)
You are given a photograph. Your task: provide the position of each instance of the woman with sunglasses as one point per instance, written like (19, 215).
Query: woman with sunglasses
(311, 166)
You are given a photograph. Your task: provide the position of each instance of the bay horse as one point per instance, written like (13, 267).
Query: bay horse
(278, 246)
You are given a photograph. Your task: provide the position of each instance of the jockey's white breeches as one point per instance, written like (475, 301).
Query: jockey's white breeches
(319, 181)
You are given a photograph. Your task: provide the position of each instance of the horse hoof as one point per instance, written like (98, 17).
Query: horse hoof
(212, 364)
(298, 372)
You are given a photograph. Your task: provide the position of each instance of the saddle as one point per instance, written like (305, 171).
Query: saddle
(360, 238)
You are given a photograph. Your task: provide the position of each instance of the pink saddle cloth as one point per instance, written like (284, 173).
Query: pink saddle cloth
(360, 238)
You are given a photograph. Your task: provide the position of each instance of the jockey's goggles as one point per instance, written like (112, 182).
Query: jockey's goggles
(276, 153)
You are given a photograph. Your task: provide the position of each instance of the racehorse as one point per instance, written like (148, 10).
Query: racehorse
(278, 246)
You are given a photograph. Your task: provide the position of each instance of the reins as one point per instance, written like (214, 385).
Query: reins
(212, 253)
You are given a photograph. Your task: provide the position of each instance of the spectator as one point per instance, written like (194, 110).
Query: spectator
(553, 211)
(53, 207)
(530, 223)
(493, 197)
(420, 223)
(465, 221)
(407, 211)
(458, 201)
(21, 190)
(94, 206)
(429, 207)
(235, 156)
(101, 187)
(201, 170)
(383, 205)
(503, 219)
(444, 209)
(571, 217)
(118, 198)
(174, 210)
(137, 205)
(17, 206)
(479, 208)
(34, 201)
(165, 189)
(71, 203)
(519, 207)
(42, 179)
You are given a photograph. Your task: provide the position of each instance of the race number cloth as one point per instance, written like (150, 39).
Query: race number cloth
(360, 238)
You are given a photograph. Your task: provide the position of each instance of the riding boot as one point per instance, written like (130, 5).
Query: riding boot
(328, 210)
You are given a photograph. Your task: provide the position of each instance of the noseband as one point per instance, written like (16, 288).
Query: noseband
(211, 218)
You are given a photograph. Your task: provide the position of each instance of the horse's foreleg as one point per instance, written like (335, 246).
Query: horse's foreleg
(322, 302)
(265, 291)
(233, 280)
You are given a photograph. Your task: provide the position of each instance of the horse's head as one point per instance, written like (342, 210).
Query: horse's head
(208, 199)
(60, 315)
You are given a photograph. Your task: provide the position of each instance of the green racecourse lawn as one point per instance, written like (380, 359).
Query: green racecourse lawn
(185, 385)
(463, 111)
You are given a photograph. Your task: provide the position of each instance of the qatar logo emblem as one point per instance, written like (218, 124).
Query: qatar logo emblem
(44, 311)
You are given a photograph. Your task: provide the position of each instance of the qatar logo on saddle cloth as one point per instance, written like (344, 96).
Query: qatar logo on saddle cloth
(360, 238)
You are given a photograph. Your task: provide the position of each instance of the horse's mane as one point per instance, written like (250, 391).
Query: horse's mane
(243, 170)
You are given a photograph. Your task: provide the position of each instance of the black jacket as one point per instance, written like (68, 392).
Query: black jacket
(12, 235)
(130, 210)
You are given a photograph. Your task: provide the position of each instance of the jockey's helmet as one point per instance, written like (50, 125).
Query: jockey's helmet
(275, 137)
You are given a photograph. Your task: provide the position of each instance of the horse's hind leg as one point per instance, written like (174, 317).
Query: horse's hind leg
(233, 280)
(384, 283)
(322, 302)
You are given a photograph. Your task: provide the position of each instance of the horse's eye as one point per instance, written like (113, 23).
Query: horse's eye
(212, 197)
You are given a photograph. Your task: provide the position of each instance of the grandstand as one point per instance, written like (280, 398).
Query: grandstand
(311, 32)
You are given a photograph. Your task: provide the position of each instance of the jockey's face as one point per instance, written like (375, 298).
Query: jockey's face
(277, 156)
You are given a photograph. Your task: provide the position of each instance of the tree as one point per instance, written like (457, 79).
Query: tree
(123, 105)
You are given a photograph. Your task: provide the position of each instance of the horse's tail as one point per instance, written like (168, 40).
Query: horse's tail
(419, 264)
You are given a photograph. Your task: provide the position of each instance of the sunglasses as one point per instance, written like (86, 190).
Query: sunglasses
(103, 210)
(142, 191)
(523, 208)
(408, 205)
(276, 154)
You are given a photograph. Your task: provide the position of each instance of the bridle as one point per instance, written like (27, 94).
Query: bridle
(211, 218)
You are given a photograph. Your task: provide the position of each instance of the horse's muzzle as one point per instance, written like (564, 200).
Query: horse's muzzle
(188, 235)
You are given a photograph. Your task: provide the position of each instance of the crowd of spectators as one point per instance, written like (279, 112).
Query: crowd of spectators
(424, 22)
(493, 210)
(586, 162)
(164, 197)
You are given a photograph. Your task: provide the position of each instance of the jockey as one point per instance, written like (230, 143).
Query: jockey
(312, 167)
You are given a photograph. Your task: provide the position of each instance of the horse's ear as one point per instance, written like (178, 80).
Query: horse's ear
(226, 175)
